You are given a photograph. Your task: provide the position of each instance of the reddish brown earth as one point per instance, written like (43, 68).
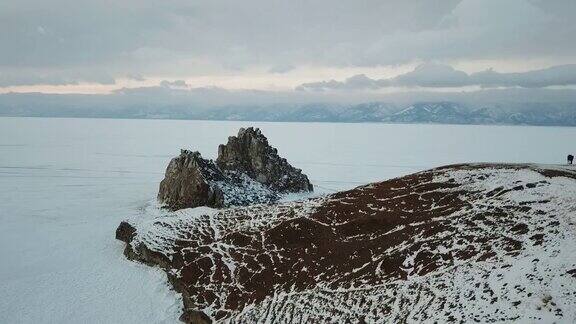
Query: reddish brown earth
(457, 243)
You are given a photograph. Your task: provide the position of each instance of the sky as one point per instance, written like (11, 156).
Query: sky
(322, 46)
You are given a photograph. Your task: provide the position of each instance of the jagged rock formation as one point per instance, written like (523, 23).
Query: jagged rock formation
(188, 182)
(464, 243)
(250, 153)
(248, 171)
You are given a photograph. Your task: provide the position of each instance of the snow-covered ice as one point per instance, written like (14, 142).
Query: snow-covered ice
(65, 184)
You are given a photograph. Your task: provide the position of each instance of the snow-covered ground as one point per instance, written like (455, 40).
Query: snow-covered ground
(65, 184)
(478, 243)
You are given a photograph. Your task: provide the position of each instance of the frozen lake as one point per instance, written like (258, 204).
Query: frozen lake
(65, 184)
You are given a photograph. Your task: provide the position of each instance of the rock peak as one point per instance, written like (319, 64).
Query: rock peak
(249, 152)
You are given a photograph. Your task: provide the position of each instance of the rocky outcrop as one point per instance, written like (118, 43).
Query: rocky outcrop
(464, 243)
(189, 182)
(250, 153)
(125, 232)
(248, 171)
(192, 181)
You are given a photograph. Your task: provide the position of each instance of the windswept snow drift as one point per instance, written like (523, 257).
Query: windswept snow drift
(476, 242)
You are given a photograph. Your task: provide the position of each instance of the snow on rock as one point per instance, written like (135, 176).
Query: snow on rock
(466, 243)
(247, 171)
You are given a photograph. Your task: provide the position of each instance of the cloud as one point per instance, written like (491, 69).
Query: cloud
(176, 84)
(283, 68)
(136, 77)
(183, 38)
(562, 75)
(24, 77)
(431, 75)
(356, 82)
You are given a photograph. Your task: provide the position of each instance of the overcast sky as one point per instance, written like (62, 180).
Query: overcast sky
(324, 45)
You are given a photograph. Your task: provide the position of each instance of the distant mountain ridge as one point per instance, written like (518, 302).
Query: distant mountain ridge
(429, 112)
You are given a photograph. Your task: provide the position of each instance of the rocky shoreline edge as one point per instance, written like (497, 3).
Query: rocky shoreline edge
(443, 241)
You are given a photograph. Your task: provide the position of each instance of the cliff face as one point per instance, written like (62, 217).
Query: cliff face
(480, 242)
(250, 153)
(189, 182)
(247, 171)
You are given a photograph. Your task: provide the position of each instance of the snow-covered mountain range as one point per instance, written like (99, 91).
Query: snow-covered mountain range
(485, 112)
(424, 112)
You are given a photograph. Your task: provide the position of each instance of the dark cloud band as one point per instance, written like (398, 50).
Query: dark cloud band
(442, 76)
